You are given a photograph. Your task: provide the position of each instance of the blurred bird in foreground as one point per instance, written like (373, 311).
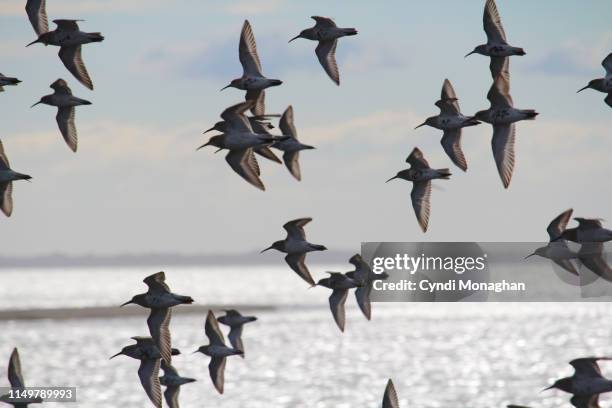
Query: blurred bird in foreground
(7, 81)
(173, 382)
(15, 378)
(236, 321)
(7, 176)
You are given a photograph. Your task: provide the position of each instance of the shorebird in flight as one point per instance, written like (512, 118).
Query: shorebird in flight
(365, 278)
(160, 300)
(340, 284)
(65, 102)
(147, 352)
(603, 84)
(496, 47)
(326, 32)
(587, 379)
(252, 80)
(217, 351)
(390, 399)
(7, 81)
(557, 249)
(421, 175)
(502, 115)
(450, 121)
(7, 176)
(67, 36)
(15, 378)
(588, 230)
(173, 382)
(296, 247)
(235, 321)
(291, 146)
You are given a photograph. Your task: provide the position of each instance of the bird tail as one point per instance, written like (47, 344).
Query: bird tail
(349, 31)
(444, 173)
(185, 299)
(276, 82)
(519, 51)
(95, 37)
(531, 114)
(471, 121)
(318, 247)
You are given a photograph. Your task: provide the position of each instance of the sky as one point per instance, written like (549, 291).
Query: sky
(137, 184)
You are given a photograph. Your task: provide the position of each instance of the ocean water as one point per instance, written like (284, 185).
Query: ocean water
(438, 354)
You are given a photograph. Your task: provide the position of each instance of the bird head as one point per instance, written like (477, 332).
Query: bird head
(219, 126)
(564, 384)
(480, 49)
(597, 84)
(235, 83)
(216, 141)
(278, 245)
(300, 35)
(429, 121)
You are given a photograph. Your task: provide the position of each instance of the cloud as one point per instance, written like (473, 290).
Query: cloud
(67, 7)
(249, 7)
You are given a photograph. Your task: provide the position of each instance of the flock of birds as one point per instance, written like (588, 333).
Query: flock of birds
(245, 137)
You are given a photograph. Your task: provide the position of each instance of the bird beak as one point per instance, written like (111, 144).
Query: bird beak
(529, 255)
(264, 250)
(35, 104)
(394, 177)
(295, 38)
(126, 303)
(225, 87)
(548, 388)
(211, 129)
(468, 54)
(118, 354)
(582, 89)
(195, 351)
(422, 124)
(204, 145)
(33, 42)
(218, 150)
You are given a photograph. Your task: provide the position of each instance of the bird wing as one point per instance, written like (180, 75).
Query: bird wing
(585, 401)
(499, 65)
(417, 160)
(589, 223)
(608, 99)
(286, 123)
(67, 25)
(592, 257)
(336, 304)
(448, 102)
(451, 142)
(235, 338)
(587, 367)
(492, 24)
(216, 368)
(326, 52)
(244, 163)
(212, 330)
(157, 283)
(65, 121)
(559, 224)
(503, 151)
(296, 263)
(295, 228)
(259, 126)
(607, 64)
(292, 161)
(566, 264)
(4, 162)
(73, 61)
(247, 51)
(148, 372)
(172, 395)
(499, 93)
(390, 399)
(37, 14)
(362, 295)
(168, 368)
(61, 87)
(323, 22)
(266, 152)
(235, 119)
(258, 96)
(6, 198)
(14, 370)
(159, 327)
(421, 195)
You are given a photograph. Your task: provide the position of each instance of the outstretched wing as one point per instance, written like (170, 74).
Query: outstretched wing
(559, 224)
(323, 22)
(295, 228)
(286, 124)
(6, 198)
(499, 93)
(247, 51)
(234, 116)
(417, 160)
(492, 24)
(157, 283)
(503, 151)
(390, 399)
(326, 52)
(451, 142)
(607, 64)
(297, 263)
(244, 163)
(65, 122)
(421, 197)
(216, 368)
(159, 327)
(148, 372)
(336, 304)
(14, 370)
(37, 13)
(212, 330)
(73, 61)
(67, 25)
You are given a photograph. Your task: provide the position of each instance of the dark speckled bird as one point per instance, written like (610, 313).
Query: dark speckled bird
(587, 379)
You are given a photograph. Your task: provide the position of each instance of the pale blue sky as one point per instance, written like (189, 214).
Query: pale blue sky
(137, 184)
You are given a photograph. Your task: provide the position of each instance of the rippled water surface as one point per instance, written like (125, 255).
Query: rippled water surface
(467, 355)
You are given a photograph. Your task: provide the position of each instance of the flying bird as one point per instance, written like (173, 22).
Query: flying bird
(173, 382)
(603, 84)
(496, 47)
(7, 81)
(69, 38)
(587, 379)
(235, 321)
(340, 284)
(7, 176)
(450, 121)
(291, 146)
(15, 378)
(65, 102)
(326, 33)
(365, 278)
(240, 139)
(557, 249)
(296, 247)
(502, 115)
(160, 300)
(147, 352)
(217, 351)
(390, 399)
(252, 80)
(37, 13)
(588, 230)
(421, 175)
